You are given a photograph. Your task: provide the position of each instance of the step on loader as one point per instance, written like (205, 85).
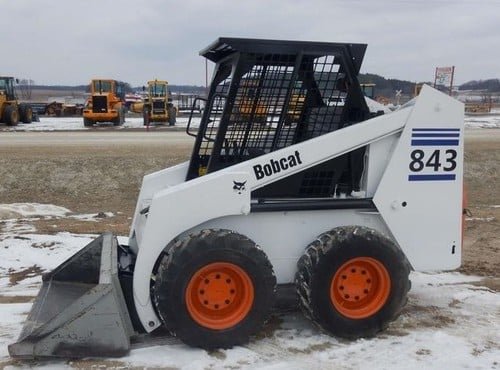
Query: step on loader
(327, 198)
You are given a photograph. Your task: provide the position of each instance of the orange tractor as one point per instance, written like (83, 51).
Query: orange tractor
(105, 103)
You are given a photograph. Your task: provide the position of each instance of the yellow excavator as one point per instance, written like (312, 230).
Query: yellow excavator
(157, 105)
(11, 111)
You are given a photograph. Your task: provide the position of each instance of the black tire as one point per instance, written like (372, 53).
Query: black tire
(184, 261)
(145, 116)
(120, 119)
(87, 122)
(11, 115)
(334, 250)
(25, 113)
(172, 116)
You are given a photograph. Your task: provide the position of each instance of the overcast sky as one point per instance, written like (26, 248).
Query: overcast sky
(69, 41)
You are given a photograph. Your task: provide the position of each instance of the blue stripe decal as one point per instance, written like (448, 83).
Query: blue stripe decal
(431, 177)
(435, 135)
(435, 142)
(437, 129)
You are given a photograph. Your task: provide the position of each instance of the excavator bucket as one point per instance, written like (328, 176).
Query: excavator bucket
(80, 310)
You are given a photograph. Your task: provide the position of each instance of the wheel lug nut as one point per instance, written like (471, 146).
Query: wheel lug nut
(232, 291)
(216, 306)
(217, 276)
(341, 287)
(344, 277)
(353, 270)
(365, 291)
(227, 301)
(346, 296)
(207, 281)
(356, 298)
(368, 281)
(228, 281)
(363, 272)
(205, 302)
(202, 291)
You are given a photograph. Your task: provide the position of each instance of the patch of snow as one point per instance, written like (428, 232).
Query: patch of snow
(23, 210)
(374, 106)
(45, 251)
(76, 123)
(11, 315)
(13, 226)
(16, 217)
(483, 121)
(91, 216)
(485, 219)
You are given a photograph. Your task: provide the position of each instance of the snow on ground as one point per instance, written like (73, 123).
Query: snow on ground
(29, 210)
(483, 121)
(451, 322)
(16, 217)
(76, 123)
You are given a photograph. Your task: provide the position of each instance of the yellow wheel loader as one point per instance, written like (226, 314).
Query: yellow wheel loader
(336, 205)
(157, 105)
(105, 103)
(11, 111)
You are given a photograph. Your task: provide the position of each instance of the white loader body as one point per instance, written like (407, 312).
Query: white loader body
(413, 171)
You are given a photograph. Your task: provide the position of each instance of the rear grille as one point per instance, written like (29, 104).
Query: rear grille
(99, 104)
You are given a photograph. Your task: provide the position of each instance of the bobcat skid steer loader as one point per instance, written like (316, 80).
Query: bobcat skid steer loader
(335, 201)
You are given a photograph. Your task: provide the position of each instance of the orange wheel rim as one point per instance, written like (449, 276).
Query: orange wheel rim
(360, 287)
(219, 295)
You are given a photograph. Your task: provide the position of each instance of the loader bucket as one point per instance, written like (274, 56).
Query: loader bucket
(80, 310)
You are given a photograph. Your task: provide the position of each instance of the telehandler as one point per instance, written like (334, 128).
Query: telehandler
(157, 106)
(334, 202)
(105, 103)
(11, 111)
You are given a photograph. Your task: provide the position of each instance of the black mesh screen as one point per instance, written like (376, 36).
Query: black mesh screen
(274, 105)
(262, 102)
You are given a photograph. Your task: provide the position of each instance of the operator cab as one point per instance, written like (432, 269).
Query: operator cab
(7, 88)
(266, 95)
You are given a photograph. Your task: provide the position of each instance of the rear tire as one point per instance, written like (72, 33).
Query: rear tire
(172, 116)
(120, 119)
(11, 115)
(87, 122)
(25, 113)
(214, 289)
(145, 116)
(352, 281)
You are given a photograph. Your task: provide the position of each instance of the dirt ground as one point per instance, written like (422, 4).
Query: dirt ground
(92, 176)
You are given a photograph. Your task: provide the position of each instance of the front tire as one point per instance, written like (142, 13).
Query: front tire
(11, 115)
(214, 289)
(352, 281)
(87, 122)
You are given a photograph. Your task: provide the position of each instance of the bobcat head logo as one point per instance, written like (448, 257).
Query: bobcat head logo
(239, 186)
